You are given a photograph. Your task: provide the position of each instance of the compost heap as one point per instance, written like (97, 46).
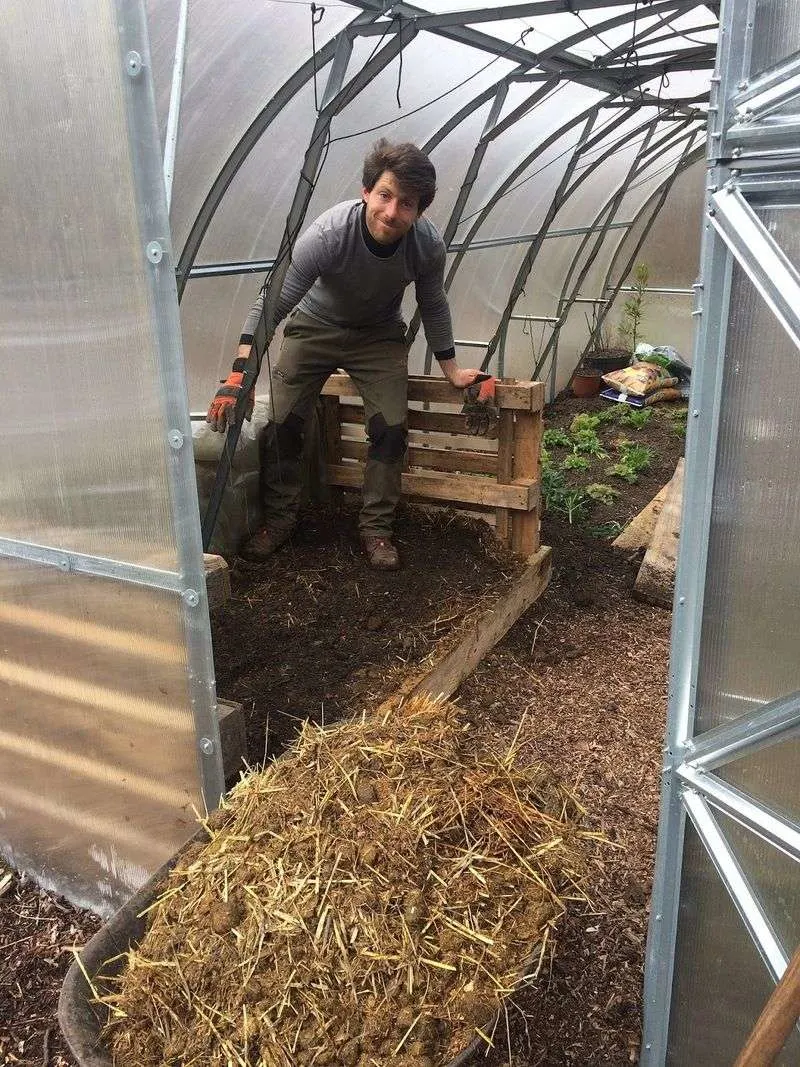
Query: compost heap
(370, 898)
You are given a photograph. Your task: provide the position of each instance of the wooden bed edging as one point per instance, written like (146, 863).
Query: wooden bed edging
(458, 662)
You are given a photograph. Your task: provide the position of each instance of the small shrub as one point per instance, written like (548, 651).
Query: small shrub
(555, 438)
(603, 494)
(576, 463)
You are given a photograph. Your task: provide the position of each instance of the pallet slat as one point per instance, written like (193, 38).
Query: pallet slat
(439, 459)
(521, 396)
(453, 488)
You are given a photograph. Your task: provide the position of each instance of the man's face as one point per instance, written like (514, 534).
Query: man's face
(391, 210)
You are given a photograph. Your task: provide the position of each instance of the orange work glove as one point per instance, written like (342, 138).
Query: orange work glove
(220, 414)
(479, 407)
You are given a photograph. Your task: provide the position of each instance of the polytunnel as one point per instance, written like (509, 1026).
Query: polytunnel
(161, 160)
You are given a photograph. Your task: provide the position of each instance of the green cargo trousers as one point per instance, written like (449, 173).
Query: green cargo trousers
(376, 358)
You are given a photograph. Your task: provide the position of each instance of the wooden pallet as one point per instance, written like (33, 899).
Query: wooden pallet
(444, 463)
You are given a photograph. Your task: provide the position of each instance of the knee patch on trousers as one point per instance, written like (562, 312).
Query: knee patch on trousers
(387, 443)
(289, 435)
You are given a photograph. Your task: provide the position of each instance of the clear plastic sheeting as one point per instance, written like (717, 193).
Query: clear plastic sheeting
(721, 983)
(105, 673)
(776, 30)
(75, 311)
(98, 772)
(752, 613)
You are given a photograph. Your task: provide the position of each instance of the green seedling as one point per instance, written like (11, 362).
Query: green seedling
(556, 438)
(606, 529)
(576, 463)
(637, 418)
(588, 442)
(634, 458)
(584, 421)
(603, 494)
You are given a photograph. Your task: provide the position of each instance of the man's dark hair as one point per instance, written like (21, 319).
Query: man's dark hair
(409, 164)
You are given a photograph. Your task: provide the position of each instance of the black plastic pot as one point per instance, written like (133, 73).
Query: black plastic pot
(82, 1021)
(602, 363)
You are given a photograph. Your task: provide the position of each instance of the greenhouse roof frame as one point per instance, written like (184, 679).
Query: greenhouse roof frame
(405, 20)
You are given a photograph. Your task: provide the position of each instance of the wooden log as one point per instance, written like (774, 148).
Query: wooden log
(655, 582)
(440, 459)
(521, 495)
(639, 531)
(218, 580)
(232, 737)
(458, 662)
(775, 1022)
(521, 396)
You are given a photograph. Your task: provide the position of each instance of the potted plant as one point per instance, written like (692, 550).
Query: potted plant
(604, 355)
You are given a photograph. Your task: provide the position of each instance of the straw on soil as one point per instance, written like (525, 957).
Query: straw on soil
(370, 898)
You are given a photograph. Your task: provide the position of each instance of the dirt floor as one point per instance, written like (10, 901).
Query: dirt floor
(581, 676)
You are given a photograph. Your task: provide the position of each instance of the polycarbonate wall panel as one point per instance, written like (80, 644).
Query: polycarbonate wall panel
(104, 681)
(98, 771)
(752, 611)
(776, 31)
(720, 984)
(75, 312)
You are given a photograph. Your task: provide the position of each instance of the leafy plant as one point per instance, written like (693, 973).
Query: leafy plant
(573, 504)
(634, 458)
(608, 414)
(574, 462)
(637, 418)
(630, 325)
(588, 442)
(606, 529)
(584, 421)
(604, 494)
(555, 438)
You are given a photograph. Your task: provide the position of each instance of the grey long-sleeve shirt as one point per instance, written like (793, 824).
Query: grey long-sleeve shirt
(336, 278)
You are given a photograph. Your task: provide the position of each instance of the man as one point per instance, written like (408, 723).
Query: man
(346, 282)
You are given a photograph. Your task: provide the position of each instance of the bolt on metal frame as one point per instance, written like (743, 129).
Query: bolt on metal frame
(751, 154)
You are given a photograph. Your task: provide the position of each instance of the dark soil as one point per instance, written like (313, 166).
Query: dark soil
(581, 677)
(316, 631)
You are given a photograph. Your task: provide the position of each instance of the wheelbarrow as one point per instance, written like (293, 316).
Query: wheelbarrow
(82, 1019)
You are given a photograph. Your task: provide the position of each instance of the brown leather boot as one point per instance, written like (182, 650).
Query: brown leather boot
(262, 544)
(381, 553)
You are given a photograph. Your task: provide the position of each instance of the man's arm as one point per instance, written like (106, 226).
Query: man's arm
(308, 262)
(434, 309)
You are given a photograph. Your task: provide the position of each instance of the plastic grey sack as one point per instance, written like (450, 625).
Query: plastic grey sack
(239, 515)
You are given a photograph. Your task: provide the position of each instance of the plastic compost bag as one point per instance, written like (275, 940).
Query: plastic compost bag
(640, 379)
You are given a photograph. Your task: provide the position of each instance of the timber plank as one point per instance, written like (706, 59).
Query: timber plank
(218, 580)
(456, 664)
(655, 582)
(232, 737)
(639, 531)
(440, 459)
(522, 396)
(521, 495)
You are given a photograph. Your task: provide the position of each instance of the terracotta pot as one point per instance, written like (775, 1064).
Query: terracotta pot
(586, 384)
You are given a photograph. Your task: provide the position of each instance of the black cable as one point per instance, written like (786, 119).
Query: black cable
(400, 70)
(436, 99)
